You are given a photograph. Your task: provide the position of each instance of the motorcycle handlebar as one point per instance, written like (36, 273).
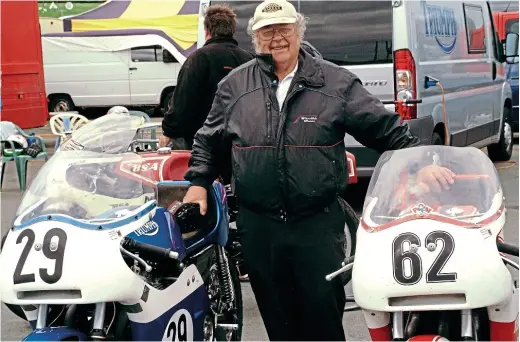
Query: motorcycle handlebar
(159, 252)
(507, 248)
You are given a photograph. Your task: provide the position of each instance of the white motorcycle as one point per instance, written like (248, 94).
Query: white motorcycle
(102, 248)
(430, 263)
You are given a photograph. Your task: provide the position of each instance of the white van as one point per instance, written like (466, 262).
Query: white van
(104, 71)
(399, 48)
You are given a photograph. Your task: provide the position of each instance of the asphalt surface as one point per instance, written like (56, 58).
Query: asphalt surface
(12, 328)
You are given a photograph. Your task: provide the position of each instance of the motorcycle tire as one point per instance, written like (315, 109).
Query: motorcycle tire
(351, 225)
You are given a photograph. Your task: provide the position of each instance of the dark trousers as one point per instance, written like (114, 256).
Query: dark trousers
(287, 264)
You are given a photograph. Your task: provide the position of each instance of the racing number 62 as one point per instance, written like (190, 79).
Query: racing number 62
(55, 252)
(434, 274)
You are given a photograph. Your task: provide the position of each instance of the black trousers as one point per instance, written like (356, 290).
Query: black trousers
(287, 264)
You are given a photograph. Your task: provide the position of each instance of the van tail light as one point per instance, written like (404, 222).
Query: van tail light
(405, 87)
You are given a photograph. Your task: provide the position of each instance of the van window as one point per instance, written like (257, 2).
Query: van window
(344, 32)
(350, 32)
(512, 26)
(147, 54)
(475, 29)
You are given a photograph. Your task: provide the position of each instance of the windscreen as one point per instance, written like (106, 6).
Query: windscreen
(344, 32)
(85, 186)
(111, 133)
(395, 190)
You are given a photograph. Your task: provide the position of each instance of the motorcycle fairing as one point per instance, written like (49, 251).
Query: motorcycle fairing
(184, 302)
(56, 334)
(67, 278)
(503, 318)
(84, 280)
(473, 255)
(161, 231)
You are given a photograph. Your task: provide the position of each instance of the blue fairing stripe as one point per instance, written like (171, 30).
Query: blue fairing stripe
(82, 224)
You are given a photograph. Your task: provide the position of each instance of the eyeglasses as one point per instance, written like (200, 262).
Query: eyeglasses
(284, 31)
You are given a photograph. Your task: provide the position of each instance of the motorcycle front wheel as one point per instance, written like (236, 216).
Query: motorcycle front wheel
(351, 225)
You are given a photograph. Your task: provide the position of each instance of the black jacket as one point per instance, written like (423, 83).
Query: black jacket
(197, 83)
(290, 162)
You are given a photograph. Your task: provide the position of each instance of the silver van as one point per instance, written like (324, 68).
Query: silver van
(438, 64)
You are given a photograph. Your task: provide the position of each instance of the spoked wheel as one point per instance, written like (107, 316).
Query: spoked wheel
(226, 321)
(351, 224)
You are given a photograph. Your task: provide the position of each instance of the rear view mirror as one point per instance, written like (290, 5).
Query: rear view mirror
(511, 48)
(168, 57)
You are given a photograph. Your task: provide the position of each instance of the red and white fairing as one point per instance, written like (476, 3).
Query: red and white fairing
(433, 251)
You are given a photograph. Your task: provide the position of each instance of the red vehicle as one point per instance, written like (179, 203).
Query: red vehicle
(23, 98)
(505, 22)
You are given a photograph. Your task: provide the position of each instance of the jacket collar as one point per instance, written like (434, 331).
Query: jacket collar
(309, 71)
(221, 39)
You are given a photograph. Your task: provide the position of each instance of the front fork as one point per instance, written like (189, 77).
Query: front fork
(98, 331)
(384, 326)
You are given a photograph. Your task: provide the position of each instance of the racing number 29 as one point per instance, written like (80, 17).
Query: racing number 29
(434, 275)
(177, 331)
(51, 251)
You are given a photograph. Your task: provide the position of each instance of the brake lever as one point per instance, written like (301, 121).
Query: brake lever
(344, 269)
(147, 267)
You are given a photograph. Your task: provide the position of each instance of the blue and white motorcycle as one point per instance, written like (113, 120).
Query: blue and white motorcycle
(102, 247)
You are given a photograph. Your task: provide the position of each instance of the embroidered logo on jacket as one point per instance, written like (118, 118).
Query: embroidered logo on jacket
(306, 118)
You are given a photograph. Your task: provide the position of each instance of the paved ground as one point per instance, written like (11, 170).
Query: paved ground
(12, 328)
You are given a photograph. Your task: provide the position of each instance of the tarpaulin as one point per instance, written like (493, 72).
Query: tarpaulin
(177, 19)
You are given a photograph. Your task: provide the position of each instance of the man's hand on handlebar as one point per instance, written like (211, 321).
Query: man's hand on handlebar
(164, 141)
(434, 177)
(198, 195)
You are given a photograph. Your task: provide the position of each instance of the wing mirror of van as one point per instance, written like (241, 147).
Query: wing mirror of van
(511, 48)
(168, 57)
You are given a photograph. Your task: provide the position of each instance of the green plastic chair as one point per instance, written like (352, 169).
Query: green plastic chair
(21, 160)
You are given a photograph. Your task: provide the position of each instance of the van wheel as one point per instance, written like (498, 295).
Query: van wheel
(61, 103)
(503, 150)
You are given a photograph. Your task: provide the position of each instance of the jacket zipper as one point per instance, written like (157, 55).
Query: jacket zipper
(279, 147)
(283, 114)
(269, 122)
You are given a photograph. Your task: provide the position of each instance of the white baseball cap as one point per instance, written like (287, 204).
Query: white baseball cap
(272, 12)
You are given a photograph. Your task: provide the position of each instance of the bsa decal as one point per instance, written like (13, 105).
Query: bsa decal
(147, 170)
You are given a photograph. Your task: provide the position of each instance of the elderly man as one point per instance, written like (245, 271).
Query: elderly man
(283, 117)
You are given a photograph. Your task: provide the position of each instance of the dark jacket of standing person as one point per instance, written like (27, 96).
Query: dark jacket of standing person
(201, 72)
(282, 120)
